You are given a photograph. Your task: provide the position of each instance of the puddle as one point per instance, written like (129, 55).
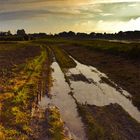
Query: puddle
(65, 103)
(123, 41)
(99, 93)
(85, 83)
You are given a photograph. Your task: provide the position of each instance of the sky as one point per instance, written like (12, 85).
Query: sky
(53, 16)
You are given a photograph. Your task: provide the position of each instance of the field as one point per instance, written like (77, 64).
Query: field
(62, 89)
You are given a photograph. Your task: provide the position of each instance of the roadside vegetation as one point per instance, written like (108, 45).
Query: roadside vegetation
(20, 90)
(26, 76)
(56, 128)
(129, 50)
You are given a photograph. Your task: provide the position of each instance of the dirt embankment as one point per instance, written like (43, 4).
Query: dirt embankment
(110, 122)
(125, 72)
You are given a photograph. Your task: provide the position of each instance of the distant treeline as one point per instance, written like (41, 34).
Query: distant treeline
(21, 35)
(129, 35)
(14, 38)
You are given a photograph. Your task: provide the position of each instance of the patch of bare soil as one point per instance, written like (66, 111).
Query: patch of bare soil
(79, 77)
(111, 122)
(13, 56)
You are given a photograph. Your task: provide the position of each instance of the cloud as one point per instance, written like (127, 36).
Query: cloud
(132, 24)
(82, 15)
(105, 26)
(29, 14)
(106, 9)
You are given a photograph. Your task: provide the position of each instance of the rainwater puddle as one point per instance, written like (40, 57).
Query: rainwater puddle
(96, 92)
(66, 104)
(88, 86)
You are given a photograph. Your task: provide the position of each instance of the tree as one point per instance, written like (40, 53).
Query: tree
(21, 32)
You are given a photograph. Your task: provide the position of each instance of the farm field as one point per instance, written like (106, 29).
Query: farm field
(64, 89)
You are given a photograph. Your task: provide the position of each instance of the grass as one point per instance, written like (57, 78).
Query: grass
(54, 45)
(93, 130)
(62, 58)
(16, 102)
(130, 50)
(27, 76)
(56, 125)
(108, 122)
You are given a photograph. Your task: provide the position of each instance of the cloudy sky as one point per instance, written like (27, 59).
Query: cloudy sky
(65, 15)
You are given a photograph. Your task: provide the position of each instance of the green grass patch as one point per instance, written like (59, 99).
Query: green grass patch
(63, 58)
(56, 125)
(16, 105)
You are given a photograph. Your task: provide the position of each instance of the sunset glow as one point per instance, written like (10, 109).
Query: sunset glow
(65, 15)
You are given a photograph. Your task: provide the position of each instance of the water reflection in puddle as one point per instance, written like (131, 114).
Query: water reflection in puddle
(99, 93)
(65, 103)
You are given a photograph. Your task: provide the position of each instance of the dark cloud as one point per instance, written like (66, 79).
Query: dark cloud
(27, 14)
(16, 15)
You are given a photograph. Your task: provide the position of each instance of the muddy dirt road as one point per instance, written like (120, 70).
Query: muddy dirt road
(52, 96)
(84, 85)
